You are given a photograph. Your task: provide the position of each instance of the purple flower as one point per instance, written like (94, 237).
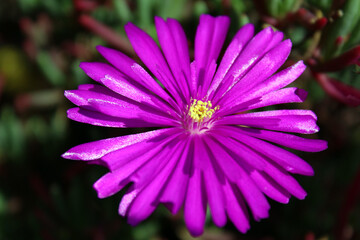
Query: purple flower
(210, 148)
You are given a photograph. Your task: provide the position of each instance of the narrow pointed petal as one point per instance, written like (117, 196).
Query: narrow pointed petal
(236, 209)
(147, 199)
(235, 173)
(266, 66)
(209, 38)
(99, 119)
(119, 60)
(213, 188)
(242, 152)
(195, 205)
(122, 156)
(238, 43)
(285, 180)
(97, 149)
(270, 187)
(126, 171)
(150, 54)
(275, 82)
(121, 84)
(173, 194)
(287, 140)
(174, 45)
(297, 121)
(289, 161)
(253, 51)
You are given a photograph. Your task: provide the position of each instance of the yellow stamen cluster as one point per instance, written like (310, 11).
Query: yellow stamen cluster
(200, 110)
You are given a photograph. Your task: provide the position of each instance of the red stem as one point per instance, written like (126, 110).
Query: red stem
(107, 34)
(342, 92)
(348, 58)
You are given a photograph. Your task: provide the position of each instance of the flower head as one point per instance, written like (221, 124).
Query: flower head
(211, 148)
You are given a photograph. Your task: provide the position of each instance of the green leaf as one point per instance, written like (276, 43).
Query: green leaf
(340, 28)
(52, 72)
(122, 10)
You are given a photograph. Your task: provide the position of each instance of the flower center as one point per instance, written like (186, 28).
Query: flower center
(200, 110)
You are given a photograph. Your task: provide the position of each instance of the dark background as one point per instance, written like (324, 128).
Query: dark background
(42, 42)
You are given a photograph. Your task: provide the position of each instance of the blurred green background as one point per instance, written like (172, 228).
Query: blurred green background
(42, 42)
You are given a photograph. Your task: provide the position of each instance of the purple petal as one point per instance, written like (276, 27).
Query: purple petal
(235, 173)
(242, 152)
(100, 119)
(253, 51)
(276, 39)
(120, 61)
(120, 157)
(147, 199)
(238, 43)
(289, 161)
(119, 83)
(150, 54)
(212, 177)
(152, 85)
(297, 121)
(266, 66)
(285, 180)
(97, 149)
(275, 82)
(209, 38)
(270, 187)
(285, 95)
(236, 208)
(103, 100)
(173, 194)
(195, 204)
(130, 111)
(174, 45)
(128, 168)
(287, 140)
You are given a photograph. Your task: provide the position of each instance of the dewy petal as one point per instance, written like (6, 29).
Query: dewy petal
(103, 100)
(120, 61)
(129, 111)
(297, 121)
(275, 82)
(209, 38)
(100, 119)
(150, 54)
(276, 38)
(152, 85)
(285, 95)
(119, 83)
(174, 45)
(128, 168)
(120, 157)
(238, 43)
(97, 149)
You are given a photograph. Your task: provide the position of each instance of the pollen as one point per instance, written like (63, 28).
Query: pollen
(200, 110)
